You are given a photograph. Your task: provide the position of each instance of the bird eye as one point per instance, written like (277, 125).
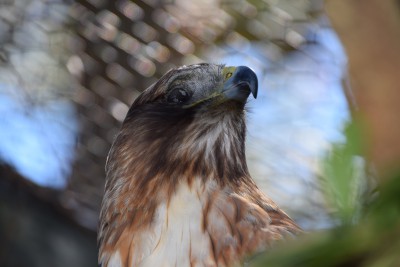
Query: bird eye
(178, 95)
(228, 75)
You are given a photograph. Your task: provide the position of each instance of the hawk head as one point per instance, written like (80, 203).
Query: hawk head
(200, 87)
(183, 138)
(191, 121)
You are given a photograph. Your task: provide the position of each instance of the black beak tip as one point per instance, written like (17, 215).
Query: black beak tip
(245, 74)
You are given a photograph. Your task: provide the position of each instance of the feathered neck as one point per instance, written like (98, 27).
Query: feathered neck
(154, 152)
(167, 149)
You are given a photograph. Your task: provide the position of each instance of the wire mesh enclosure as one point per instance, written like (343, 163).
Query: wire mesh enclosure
(74, 68)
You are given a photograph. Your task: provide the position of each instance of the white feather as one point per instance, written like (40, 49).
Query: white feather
(177, 236)
(115, 260)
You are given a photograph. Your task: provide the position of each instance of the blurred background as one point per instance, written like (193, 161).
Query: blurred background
(69, 71)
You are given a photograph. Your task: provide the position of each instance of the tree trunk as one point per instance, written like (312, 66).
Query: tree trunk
(370, 33)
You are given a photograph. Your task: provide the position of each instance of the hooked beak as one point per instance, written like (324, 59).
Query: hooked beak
(239, 83)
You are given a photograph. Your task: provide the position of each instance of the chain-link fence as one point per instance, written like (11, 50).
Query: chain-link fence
(70, 70)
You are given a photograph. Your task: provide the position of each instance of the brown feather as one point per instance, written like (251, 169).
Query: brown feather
(168, 163)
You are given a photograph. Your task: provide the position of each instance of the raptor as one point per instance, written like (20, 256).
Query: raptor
(178, 191)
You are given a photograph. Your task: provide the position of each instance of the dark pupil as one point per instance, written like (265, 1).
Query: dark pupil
(178, 96)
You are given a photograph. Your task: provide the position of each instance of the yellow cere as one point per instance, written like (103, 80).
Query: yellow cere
(227, 72)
